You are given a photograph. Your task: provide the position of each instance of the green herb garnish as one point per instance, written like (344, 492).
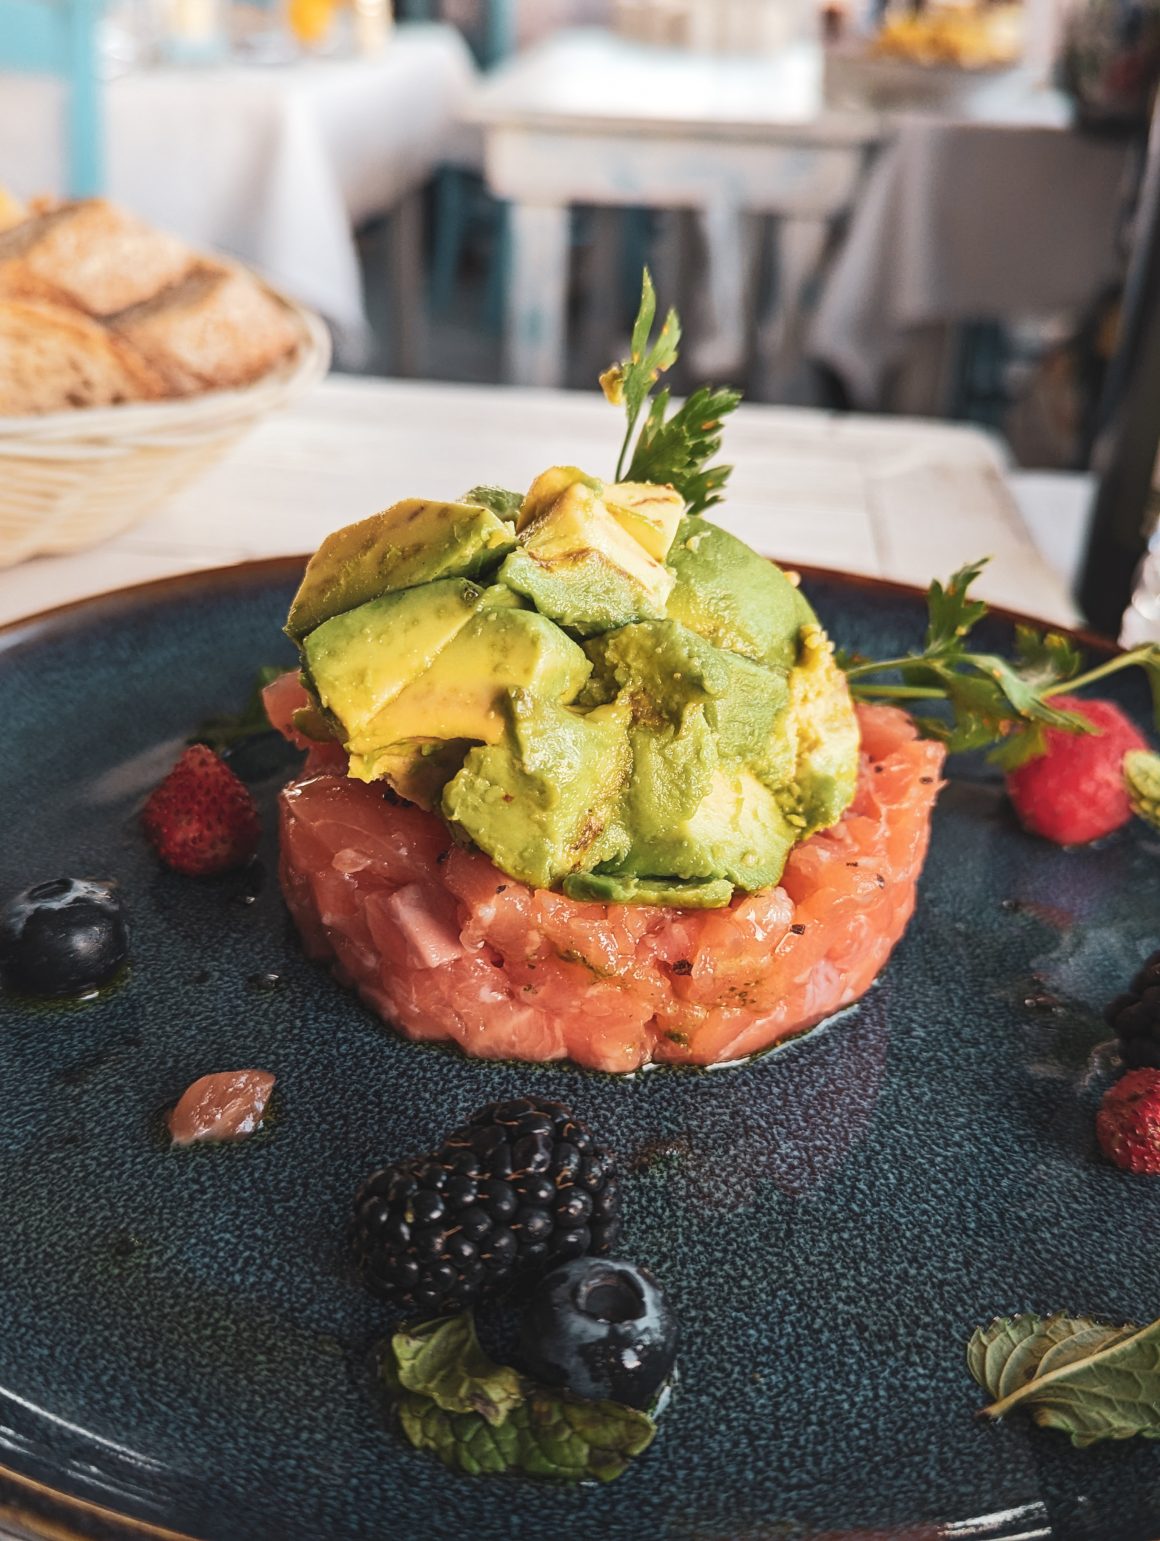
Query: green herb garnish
(997, 704)
(670, 451)
(1142, 777)
(1086, 1378)
(503, 504)
(478, 1416)
(232, 728)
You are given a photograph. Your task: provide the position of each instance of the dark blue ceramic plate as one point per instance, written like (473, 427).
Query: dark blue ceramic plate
(183, 1347)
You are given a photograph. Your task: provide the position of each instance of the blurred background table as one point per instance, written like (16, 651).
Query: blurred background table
(277, 164)
(1000, 213)
(809, 487)
(587, 117)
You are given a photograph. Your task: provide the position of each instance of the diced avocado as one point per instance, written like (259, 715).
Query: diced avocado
(650, 514)
(463, 693)
(413, 542)
(736, 830)
(672, 773)
(364, 658)
(545, 800)
(618, 888)
(548, 488)
(417, 769)
(579, 567)
(822, 726)
(733, 597)
(663, 667)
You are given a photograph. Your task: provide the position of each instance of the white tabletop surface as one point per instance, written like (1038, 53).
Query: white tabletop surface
(591, 79)
(276, 164)
(887, 497)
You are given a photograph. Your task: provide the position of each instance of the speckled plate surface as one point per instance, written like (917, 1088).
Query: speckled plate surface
(181, 1344)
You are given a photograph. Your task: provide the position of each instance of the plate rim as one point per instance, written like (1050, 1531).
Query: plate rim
(74, 613)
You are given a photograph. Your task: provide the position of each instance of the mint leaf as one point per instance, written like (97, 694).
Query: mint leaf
(548, 1435)
(675, 451)
(230, 728)
(504, 505)
(480, 1417)
(1086, 1378)
(442, 1360)
(1142, 776)
(563, 1437)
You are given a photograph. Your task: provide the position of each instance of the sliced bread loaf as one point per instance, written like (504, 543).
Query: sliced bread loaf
(53, 359)
(92, 255)
(217, 328)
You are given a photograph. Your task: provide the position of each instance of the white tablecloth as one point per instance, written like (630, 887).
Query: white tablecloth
(276, 164)
(886, 497)
(963, 221)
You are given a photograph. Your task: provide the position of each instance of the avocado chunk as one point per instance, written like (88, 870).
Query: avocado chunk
(504, 504)
(651, 515)
(664, 667)
(734, 598)
(359, 661)
(737, 831)
(417, 769)
(462, 694)
(607, 888)
(581, 569)
(413, 542)
(548, 488)
(822, 726)
(545, 800)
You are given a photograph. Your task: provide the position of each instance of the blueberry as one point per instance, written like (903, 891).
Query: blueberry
(603, 1330)
(63, 938)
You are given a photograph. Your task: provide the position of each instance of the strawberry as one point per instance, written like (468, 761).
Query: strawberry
(1128, 1122)
(1075, 790)
(201, 820)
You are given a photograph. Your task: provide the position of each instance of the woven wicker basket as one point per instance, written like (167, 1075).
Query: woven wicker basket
(71, 479)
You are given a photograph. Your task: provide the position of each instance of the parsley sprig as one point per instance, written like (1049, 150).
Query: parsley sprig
(676, 450)
(994, 703)
(968, 699)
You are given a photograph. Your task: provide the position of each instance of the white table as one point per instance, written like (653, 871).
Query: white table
(887, 497)
(591, 118)
(1003, 214)
(276, 164)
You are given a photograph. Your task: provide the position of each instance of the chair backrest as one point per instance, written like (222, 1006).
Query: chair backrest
(58, 37)
(493, 37)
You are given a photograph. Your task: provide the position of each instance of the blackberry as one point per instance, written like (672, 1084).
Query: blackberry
(1135, 1017)
(519, 1188)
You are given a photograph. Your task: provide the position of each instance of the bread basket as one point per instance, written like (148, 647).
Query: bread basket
(71, 479)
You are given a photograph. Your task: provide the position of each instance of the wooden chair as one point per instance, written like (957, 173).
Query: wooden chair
(58, 37)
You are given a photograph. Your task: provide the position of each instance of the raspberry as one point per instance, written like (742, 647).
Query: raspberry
(519, 1188)
(1075, 791)
(1135, 1016)
(1128, 1122)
